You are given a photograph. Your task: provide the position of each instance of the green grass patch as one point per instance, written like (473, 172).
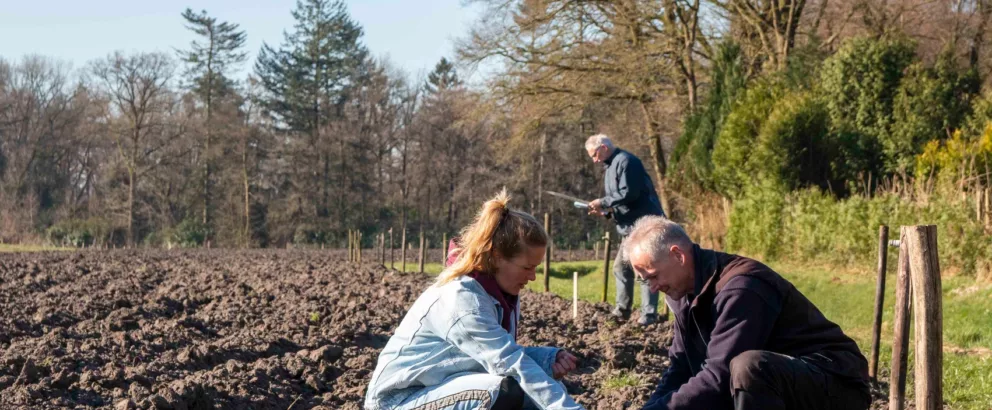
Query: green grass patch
(29, 248)
(849, 300)
(621, 380)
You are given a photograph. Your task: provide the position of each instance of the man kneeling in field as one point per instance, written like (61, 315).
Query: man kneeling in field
(745, 338)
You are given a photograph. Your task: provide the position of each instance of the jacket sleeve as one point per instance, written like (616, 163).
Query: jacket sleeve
(543, 356)
(746, 309)
(677, 373)
(630, 184)
(482, 338)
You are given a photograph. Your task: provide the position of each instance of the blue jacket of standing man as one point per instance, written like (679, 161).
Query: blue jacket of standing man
(630, 195)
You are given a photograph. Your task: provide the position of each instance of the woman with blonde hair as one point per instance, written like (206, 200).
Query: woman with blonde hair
(456, 347)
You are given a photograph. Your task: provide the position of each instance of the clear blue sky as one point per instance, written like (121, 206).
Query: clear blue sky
(414, 34)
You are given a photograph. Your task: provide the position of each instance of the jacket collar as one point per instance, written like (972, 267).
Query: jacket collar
(707, 273)
(609, 161)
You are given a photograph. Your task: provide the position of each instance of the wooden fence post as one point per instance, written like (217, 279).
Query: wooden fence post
(988, 204)
(595, 250)
(444, 249)
(382, 249)
(403, 251)
(876, 329)
(900, 336)
(547, 251)
(606, 266)
(358, 246)
(924, 269)
(423, 251)
(351, 246)
(392, 258)
(551, 248)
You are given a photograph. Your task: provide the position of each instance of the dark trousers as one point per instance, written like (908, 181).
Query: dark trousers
(765, 380)
(625, 278)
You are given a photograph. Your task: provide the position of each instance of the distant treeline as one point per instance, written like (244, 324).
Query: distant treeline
(781, 129)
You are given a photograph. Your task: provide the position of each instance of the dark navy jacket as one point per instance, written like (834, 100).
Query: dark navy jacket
(740, 304)
(629, 190)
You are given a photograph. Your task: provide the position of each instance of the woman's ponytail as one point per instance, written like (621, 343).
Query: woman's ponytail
(495, 229)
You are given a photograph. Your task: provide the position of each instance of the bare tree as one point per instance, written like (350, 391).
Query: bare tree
(634, 53)
(767, 28)
(40, 112)
(137, 87)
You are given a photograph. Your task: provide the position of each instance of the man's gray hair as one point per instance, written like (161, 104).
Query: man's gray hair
(655, 235)
(599, 139)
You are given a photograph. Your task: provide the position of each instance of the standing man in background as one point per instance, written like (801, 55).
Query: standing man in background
(630, 195)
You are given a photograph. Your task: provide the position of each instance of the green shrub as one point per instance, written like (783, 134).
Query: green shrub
(691, 157)
(812, 225)
(793, 147)
(79, 232)
(756, 222)
(860, 82)
(858, 85)
(190, 233)
(308, 234)
(732, 171)
(930, 104)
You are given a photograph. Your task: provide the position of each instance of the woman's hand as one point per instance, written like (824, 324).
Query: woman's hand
(565, 363)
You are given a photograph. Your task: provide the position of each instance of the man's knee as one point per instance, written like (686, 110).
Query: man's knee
(511, 395)
(748, 370)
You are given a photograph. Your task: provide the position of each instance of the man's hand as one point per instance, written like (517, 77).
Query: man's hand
(595, 208)
(565, 363)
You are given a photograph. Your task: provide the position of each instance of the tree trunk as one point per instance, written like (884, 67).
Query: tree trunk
(206, 147)
(657, 159)
(247, 186)
(206, 175)
(325, 176)
(451, 204)
(540, 172)
(427, 207)
(342, 208)
(130, 206)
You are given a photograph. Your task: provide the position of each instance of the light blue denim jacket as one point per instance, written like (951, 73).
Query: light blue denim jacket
(453, 329)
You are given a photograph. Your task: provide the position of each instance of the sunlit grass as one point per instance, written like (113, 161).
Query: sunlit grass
(28, 248)
(848, 300)
(623, 379)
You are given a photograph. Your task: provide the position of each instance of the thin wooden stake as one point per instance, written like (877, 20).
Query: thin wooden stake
(547, 252)
(403, 251)
(606, 266)
(924, 268)
(423, 251)
(392, 258)
(883, 252)
(382, 249)
(900, 342)
(575, 295)
(444, 248)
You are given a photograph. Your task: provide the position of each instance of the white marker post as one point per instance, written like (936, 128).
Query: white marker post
(575, 295)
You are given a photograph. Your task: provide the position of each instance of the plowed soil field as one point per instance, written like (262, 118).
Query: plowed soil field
(263, 329)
